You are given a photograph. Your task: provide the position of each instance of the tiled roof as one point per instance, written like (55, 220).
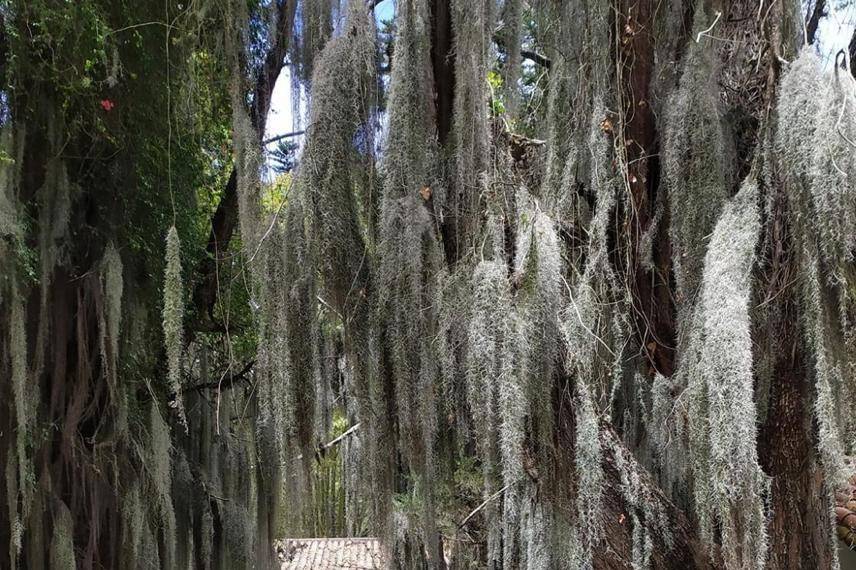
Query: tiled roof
(330, 554)
(845, 512)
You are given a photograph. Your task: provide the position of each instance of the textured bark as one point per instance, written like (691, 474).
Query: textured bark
(800, 533)
(652, 299)
(799, 528)
(443, 70)
(68, 464)
(443, 66)
(800, 524)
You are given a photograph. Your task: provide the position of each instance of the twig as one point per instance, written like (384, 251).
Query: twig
(280, 137)
(325, 446)
(141, 25)
(227, 380)
(482, 505)
(536, 58)
(705, 32)
(331, 307)
(335, 441)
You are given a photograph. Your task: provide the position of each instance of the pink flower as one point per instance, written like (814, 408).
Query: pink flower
(107, 104)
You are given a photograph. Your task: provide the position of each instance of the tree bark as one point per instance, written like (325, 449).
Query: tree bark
(686, 551)
(443, 66)
(653, 305)
(799, 527)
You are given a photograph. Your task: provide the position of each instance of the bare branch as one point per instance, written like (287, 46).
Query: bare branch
(226, 382)
(323, 447)
(812, 19)
(852, 50)
(281, 137)
(536, 58)
(481, 506)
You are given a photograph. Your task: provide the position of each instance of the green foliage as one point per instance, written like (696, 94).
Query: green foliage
(275, 195)
(62, 45)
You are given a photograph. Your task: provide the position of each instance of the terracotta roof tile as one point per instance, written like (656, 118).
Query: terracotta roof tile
(330, 554)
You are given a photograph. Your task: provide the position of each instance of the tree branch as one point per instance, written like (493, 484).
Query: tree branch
(280, 137)
(536, 58)
(812, 19)
(226, 216)
(852, 49)
(227, 381)
(677, 547)
(323, 447)
(482, 505)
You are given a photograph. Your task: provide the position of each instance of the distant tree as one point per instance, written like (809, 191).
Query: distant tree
(283, 156)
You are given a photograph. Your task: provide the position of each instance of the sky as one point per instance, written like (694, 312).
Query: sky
(836, 29)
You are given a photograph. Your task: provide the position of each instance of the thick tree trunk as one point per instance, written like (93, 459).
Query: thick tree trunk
(65, 370)
(652, 299)
(800, 528)
(443, 72)
(685, 551)
(443, 66)
(800, 525)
